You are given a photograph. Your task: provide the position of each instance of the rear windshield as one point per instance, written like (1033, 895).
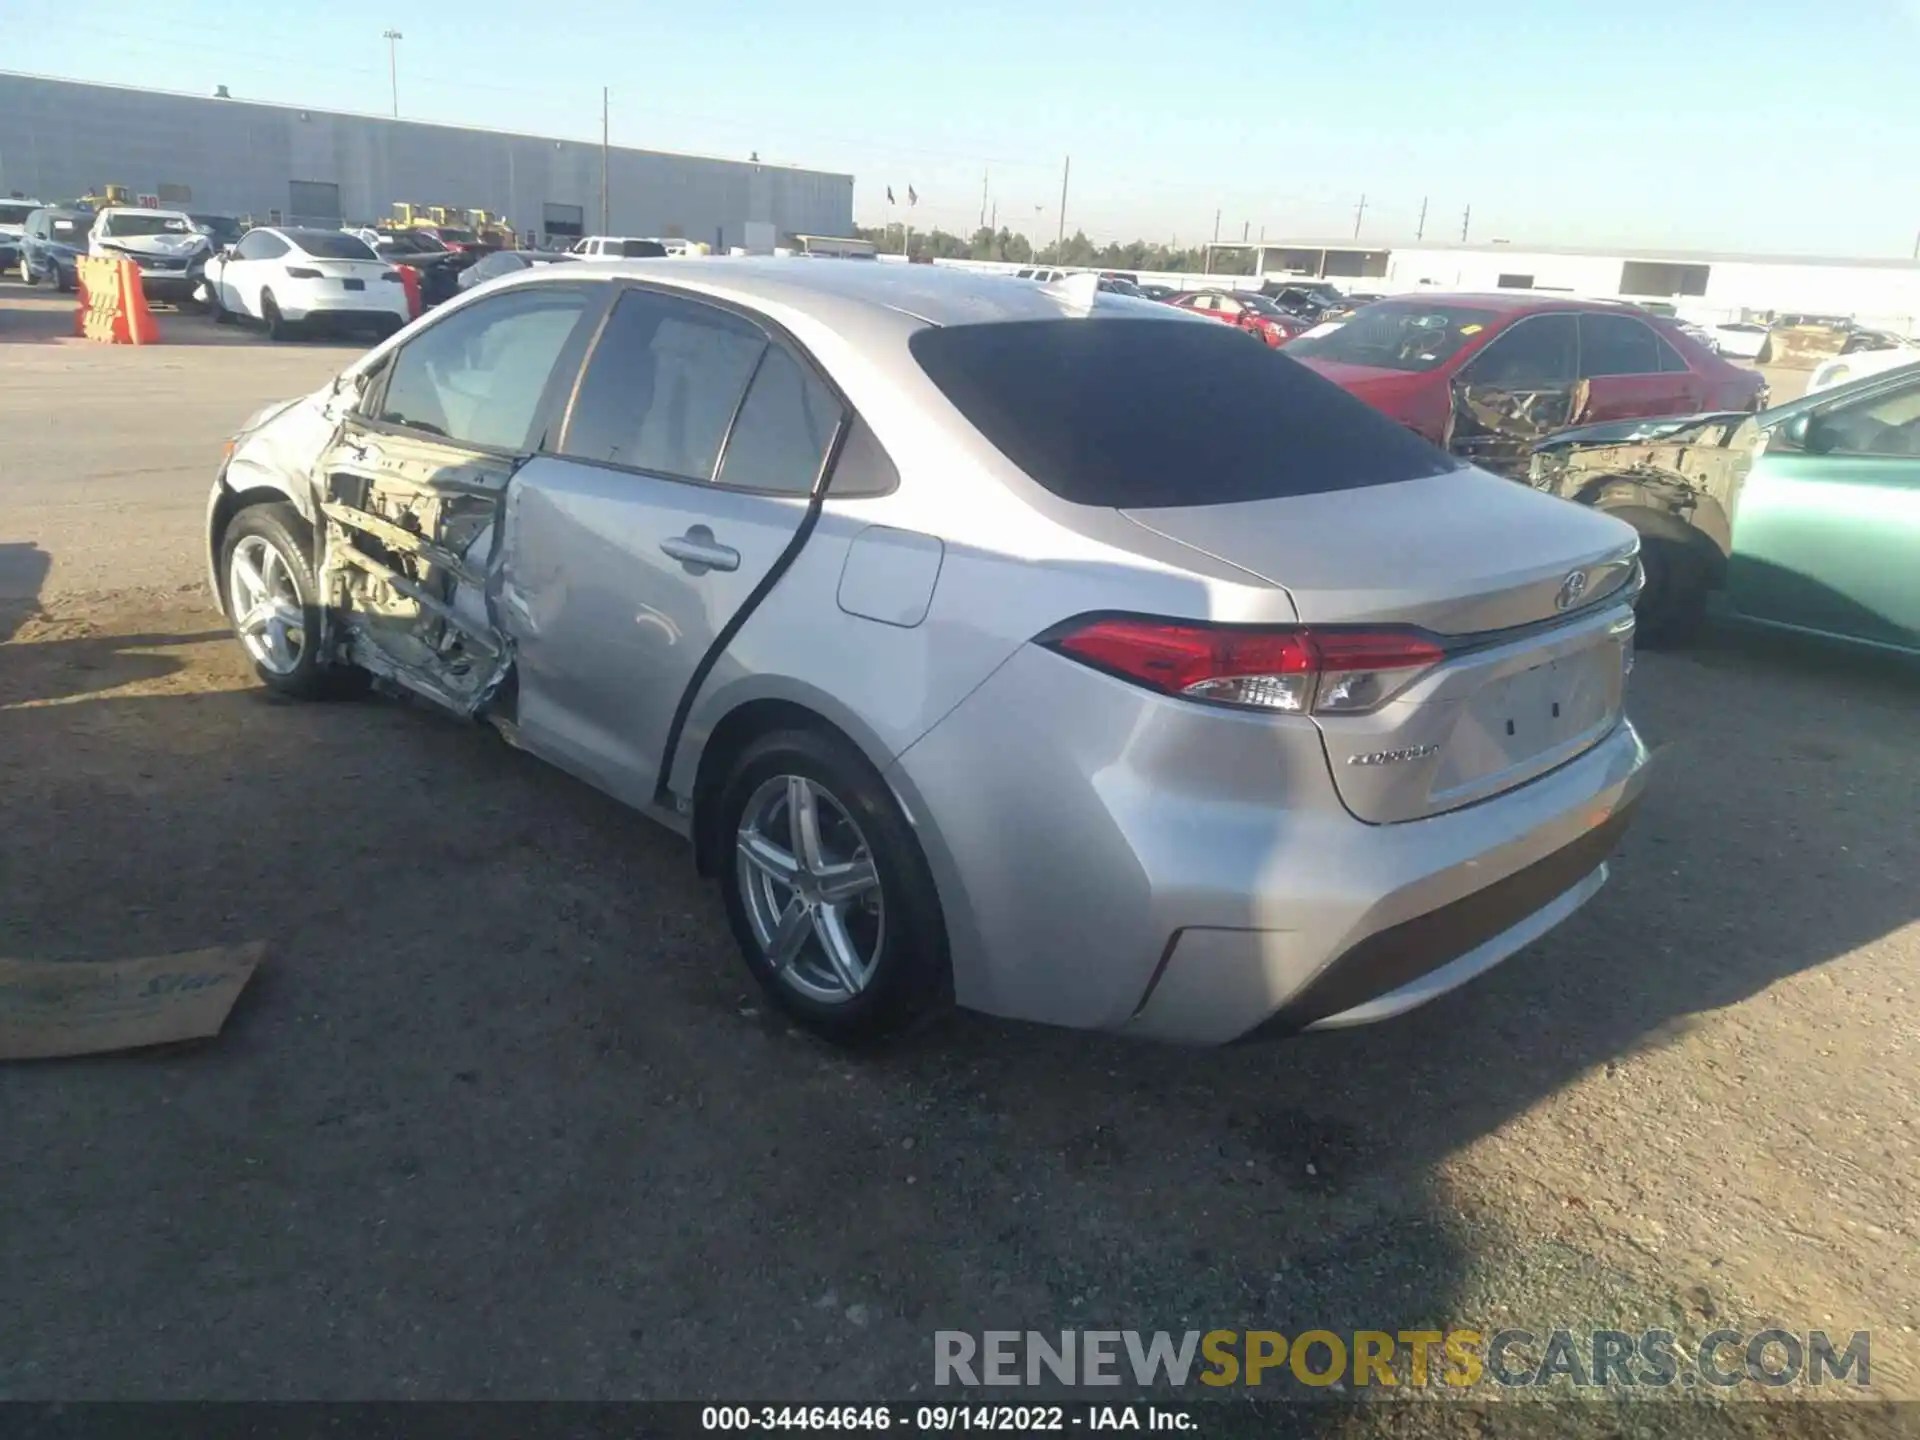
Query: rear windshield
(641, 249)
(1144, 413)
(331, 244)
(13, 214)
(1398, 335)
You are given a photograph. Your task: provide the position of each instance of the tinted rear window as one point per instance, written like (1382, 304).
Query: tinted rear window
(331, 244)
(1143, 413)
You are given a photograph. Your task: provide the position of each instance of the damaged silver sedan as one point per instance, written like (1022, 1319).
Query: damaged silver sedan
(970, 677)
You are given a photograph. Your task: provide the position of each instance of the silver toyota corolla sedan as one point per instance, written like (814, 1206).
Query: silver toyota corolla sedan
(1043, 650)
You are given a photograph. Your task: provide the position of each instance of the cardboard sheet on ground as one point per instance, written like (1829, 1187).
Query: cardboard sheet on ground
(56, 1008)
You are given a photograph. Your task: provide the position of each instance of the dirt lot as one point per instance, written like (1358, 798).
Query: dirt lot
(498, 1116)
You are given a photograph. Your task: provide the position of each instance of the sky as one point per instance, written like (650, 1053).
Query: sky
(1775, 126)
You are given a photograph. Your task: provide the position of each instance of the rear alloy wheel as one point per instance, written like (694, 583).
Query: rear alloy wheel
(276, 323)
(828, 892)
(272, 600)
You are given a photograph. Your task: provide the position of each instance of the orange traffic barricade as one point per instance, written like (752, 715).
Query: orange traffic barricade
(113, 308)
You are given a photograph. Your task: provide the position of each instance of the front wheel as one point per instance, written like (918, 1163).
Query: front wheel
(26, 270)
(273, 601)
(1673, 602)
(828, 892)
(221, 315)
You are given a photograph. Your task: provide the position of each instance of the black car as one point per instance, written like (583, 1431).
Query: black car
(508, 262)
(439, 268)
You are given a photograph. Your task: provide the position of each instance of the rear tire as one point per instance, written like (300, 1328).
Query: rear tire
(273, 601)
(26, 270)
(277, 325)
(890, 934)
(62, 282)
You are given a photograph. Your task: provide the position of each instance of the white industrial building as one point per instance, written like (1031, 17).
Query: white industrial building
(1709, 287)
(60, 139)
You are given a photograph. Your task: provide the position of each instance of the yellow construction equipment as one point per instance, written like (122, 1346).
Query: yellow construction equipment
(494, 230)
(109, 195)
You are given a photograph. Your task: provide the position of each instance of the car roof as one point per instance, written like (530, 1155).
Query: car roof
(845, 292)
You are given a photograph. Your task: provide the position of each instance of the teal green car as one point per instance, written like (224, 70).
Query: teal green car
(1805, 517)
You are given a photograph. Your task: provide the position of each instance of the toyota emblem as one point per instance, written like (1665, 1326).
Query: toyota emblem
(1571, 589)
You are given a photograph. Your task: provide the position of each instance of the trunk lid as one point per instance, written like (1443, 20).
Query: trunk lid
(1537, 659)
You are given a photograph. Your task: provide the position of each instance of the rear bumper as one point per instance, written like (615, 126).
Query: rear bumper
(1396, 969)
(1112, 859)
(347, 308)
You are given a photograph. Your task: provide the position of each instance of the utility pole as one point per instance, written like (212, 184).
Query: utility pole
(1463, 224)
(605, 226)
(393, 38)
(1916, 247)
(1359, 214)
(983, 199)
(994, 222)
(1060, 237)
(1216, 227)
(1245, 227)
(1420, 231)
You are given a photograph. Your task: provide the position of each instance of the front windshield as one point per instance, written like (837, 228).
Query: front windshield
(133, 223)
(1397, 335)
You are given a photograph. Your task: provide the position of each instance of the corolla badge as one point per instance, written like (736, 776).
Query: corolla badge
(1571, 589)
(1394, 757)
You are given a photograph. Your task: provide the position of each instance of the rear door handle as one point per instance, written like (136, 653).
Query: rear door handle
(699, 552)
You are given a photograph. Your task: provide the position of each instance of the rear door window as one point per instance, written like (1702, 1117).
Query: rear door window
(779, 440)
(663, 385)
(1617, 345)
(1139, 413)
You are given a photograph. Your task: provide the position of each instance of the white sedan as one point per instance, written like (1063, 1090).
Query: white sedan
(293, 279)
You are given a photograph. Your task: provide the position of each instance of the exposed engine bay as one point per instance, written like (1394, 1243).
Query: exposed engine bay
(1691, 468)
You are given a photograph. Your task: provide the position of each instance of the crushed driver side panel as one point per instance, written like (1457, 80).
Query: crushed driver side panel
(408, 557)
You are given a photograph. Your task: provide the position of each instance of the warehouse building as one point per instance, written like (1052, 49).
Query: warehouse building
(1709, 287)
(60, 139)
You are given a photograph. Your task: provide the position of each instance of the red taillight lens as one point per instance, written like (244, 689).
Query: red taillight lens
(1296, 670)
(302, 272)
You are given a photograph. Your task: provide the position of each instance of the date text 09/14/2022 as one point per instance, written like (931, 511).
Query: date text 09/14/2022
(945, 1419)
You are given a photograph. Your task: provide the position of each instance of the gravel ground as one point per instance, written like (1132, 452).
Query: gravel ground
(499, 1116)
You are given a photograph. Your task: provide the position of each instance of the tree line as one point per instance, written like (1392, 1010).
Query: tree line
(1077, 251)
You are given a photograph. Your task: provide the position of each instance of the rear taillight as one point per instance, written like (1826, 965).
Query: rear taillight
(302, 272)
(1297, 670)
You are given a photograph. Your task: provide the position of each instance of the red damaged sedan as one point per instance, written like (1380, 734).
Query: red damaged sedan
(1253, 313)
(1486, 376)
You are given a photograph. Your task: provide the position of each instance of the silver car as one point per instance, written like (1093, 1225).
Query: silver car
(1029, 647)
